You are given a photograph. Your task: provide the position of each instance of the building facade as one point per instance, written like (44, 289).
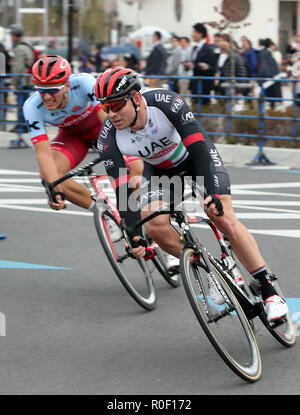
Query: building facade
(278, 20)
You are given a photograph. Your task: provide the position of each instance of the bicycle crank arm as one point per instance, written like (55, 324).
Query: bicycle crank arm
(216, 317)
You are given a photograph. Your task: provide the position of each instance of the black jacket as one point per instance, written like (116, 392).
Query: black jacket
(206, 55)
(157, 60)
(267, 66)
(240, 69)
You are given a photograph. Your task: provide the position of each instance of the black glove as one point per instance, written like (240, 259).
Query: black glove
(218, 203)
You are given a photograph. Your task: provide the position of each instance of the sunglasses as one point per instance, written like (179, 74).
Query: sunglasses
(51, 90)
(115, 106)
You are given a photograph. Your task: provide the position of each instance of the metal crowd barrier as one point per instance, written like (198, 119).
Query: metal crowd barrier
(228, 84)
(22, 93)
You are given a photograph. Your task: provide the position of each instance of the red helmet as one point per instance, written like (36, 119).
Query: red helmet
(51, 69)
(116, 82)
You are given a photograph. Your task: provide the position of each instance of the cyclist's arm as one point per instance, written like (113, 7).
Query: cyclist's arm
(48, 169)
(193, 139)
(118, 174)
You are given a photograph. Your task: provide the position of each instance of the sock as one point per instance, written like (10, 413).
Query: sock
(265, 282)
(92, 205)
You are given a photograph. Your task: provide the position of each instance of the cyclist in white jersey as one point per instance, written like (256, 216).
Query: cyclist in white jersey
(159, 127)
(68, 102)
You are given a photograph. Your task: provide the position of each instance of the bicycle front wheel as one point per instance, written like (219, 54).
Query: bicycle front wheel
(225, 325)
(133, 273)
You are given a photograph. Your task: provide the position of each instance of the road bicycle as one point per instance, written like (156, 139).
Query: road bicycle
(230, 326)
(135, 274)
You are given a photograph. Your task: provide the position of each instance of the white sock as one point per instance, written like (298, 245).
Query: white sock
(92, 205)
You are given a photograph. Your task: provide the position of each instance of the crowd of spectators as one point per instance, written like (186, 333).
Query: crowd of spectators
(200, 55)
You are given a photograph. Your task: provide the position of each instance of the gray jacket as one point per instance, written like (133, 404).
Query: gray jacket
(174, 61)
(23, 59)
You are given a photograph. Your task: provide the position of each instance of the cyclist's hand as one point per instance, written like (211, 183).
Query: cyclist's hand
(60, 204)
(214, 206)
(138, 250)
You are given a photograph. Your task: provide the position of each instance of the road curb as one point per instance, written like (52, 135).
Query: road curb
(231, 153)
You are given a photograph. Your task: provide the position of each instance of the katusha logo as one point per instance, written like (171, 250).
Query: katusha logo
(63, 64)
(76, 108)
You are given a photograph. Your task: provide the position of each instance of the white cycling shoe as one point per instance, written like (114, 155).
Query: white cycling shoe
(214, 293)
(114, 231)
(276, 308)
(172, 261)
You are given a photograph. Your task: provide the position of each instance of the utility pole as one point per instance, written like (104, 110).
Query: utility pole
(70, 30)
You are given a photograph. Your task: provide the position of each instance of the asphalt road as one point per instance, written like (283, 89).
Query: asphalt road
(74, 330)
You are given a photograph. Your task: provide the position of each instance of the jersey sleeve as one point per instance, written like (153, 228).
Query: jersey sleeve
(193, 137)
(118, 175)
(34, 120)
(88, 87)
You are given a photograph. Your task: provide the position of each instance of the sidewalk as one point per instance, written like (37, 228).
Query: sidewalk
(231, 153)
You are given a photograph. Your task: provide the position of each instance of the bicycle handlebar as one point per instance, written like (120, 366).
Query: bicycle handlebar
(79, 171)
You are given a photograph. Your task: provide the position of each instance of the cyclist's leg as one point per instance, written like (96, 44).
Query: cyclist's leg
(151, 198)
(135, 166)
(241, 240)
(68, 153)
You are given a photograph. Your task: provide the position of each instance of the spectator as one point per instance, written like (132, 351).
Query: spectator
(173, 62)
(277, 55)
(202, 61)
(250, 57)
(268, 68)
(5, 69)
(22, 62)
(295, 71)
(98, 57)
(85, 65)
(216, 48)
(229, 57)
(184, 68)
(132, 62)
(157, 60)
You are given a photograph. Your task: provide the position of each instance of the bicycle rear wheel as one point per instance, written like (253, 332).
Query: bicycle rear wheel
(284, 333)
(226, 325)
(133, 273)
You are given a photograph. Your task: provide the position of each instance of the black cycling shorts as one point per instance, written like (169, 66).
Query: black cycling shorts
(168, 184)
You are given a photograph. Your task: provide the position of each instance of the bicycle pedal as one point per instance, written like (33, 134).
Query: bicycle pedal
(174, 270)
(278, 323)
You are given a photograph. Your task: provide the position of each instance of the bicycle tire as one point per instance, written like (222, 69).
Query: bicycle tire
(285, 333)
(146, 299)
(196, 288)
(161, 266)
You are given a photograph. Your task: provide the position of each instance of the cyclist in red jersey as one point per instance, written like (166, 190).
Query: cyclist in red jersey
(67, 101)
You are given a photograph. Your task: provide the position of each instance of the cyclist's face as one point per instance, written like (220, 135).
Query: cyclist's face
(123, 117)
(53, 98)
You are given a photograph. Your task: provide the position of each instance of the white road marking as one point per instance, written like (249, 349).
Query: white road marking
(264, 209)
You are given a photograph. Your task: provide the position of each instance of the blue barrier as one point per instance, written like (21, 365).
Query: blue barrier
(228, 84)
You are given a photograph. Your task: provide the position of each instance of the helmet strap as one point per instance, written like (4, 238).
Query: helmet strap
(137, 109)
(63, 99)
